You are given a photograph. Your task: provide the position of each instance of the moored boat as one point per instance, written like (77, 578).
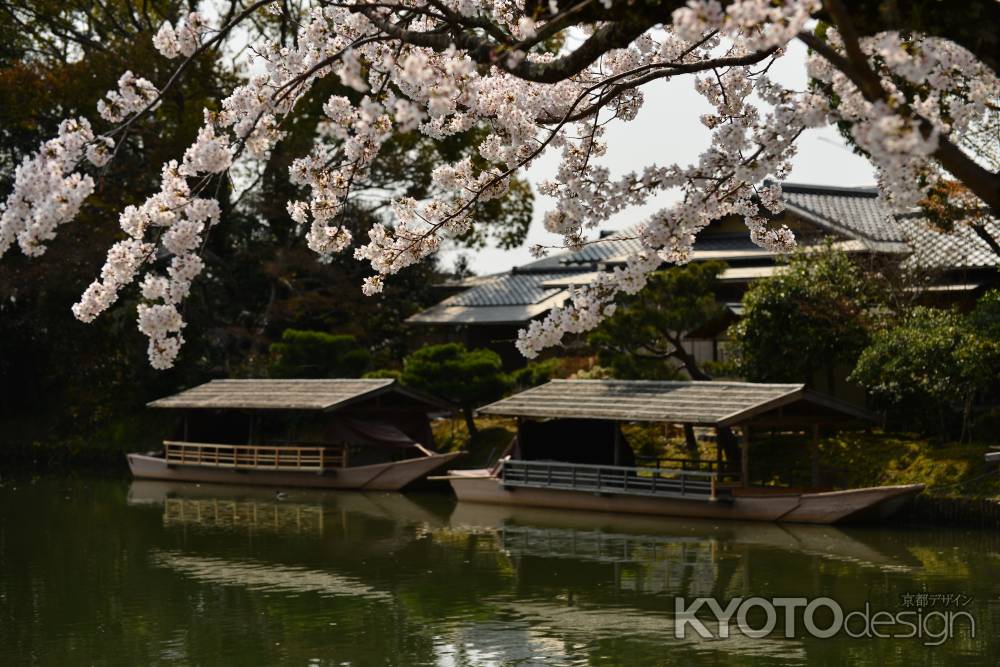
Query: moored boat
(369, 434)
(488, 486)
(578, 458)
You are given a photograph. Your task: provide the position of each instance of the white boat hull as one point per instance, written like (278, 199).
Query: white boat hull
(391, 476)
(873, 503)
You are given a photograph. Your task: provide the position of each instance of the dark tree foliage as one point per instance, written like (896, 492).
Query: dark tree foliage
(931, 367)
(813, 316)
(535, 373)
(467, 378)
(642, 340)
(315, 354)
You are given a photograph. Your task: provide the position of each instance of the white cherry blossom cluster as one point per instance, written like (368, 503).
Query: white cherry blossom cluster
(182, 39)
(48, 192)
(590, 304)
(176, 220)
(133, 95)
(933, 89)
(759, 25)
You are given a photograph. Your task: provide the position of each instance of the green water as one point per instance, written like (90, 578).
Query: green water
(101, 572)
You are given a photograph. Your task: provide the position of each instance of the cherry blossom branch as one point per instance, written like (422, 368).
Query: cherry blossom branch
(980, 180)
(184, 65)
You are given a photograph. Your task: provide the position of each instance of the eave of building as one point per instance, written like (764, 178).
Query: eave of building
(483, 315)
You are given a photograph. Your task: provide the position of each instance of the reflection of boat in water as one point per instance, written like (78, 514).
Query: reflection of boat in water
(578, 458)
(215, 513)
(299, 510)
(365, 434)
(261, 576)
(569, 534)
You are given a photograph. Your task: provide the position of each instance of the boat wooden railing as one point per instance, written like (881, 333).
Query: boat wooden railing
(669, 462)
(667, 483)
(255, 457)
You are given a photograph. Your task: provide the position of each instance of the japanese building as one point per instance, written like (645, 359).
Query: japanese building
(488, 311)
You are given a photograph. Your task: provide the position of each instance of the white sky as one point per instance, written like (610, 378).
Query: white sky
(667, 131)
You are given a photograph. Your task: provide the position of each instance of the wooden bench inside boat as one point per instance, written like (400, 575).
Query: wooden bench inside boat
(657, 482)
(316, 458)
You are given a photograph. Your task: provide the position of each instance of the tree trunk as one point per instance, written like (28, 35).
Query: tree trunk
(691, 442)
(690, 364)
(727, 442)
(966, 418)
(470, 423)
(988, 238)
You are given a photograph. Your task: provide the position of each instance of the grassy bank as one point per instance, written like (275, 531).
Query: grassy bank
(877, 458)
(493, 436)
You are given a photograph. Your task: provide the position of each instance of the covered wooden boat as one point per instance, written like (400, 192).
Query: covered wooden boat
(369, 434)
(570, 453)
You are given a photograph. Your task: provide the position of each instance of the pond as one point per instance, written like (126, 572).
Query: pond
(110, 572)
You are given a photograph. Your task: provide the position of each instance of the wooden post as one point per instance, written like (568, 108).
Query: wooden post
(618, 444)
(718, 454)
(745, 457)
(815, 455)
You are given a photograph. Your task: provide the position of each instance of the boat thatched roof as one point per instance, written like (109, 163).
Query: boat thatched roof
(272, 394)
(699, 403)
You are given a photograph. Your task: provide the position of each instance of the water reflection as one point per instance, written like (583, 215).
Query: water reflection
(261, 576)
(164, 573)
(585, 535)
(227, 506)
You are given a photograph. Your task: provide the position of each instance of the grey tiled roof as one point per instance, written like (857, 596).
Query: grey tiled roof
(511, 289)
(617, 249)
(854, 211)
(959, 249)
(607, 248)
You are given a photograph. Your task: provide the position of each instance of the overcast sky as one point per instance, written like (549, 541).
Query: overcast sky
(667, 131)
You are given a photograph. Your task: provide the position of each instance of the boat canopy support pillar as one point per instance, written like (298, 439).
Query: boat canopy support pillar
(745, 456)
(618, 445)
(814, 451)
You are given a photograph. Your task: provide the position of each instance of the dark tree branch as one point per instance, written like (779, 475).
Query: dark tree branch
(614, 35)
(988, 238)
